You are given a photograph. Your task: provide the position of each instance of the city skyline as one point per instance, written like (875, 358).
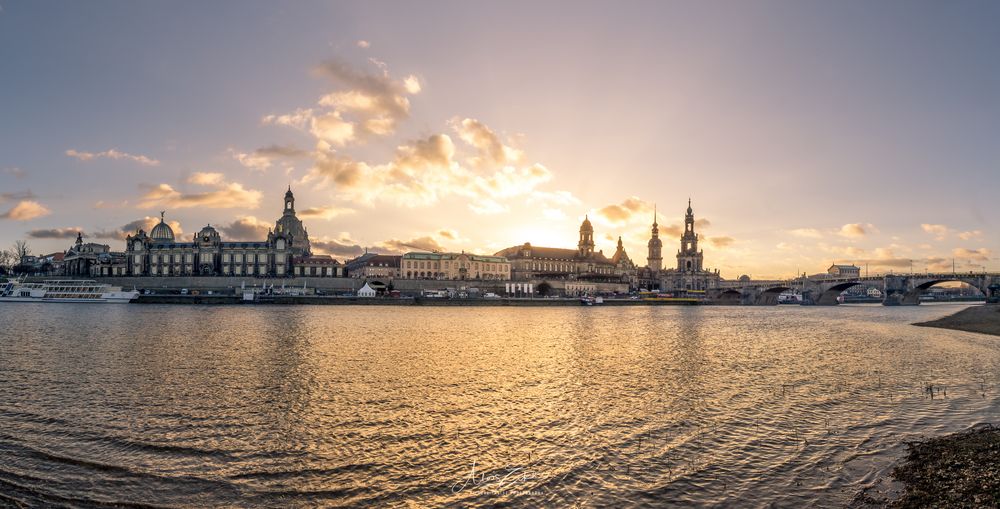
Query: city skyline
(798, 146)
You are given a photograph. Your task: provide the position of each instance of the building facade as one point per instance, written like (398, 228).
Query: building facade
(689, 273)
(159, 253)
(844, 270)
(529, 262)
(454, 266)
(374, 266)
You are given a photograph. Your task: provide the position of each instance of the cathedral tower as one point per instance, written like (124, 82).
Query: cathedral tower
(586, 246)
(654, 260)
(689, 258)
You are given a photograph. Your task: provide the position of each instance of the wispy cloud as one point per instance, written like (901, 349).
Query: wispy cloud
(26, 210)
(112, 154)
(222, 195)
(246, 228)
(326, 213)
(55, 233)
(145, 223)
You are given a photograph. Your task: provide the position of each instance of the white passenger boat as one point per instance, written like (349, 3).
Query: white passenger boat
(71, 290)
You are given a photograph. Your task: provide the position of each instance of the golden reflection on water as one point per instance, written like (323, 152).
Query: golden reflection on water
(475, 406)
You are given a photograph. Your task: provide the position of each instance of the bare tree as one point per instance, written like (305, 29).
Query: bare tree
(6, 260)
(20, 250)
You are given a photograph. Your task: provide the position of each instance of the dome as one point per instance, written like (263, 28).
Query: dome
(586, 224)
(162, 231)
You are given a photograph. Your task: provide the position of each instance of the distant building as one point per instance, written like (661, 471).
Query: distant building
(689, 274)
(844, 271)
(160, 254)
(89, 259)
(454, 266)
(318, 266)
(373, 265)
(583, 263)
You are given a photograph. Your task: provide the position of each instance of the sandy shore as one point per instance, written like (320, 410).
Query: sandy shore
(957, 470)
(984, 319)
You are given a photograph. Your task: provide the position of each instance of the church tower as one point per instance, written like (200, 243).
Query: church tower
(689, 258)
(585, 249)
(654, 260)
(289, 203)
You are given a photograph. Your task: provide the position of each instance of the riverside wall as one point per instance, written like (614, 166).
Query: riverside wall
(330, 284)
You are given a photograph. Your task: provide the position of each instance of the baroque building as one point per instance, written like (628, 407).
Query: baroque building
(690, 273)
(529, 262)
(285, 252)
(454, 266)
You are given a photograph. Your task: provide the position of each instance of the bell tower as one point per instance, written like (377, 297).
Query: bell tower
(289, 202)
(689, 258)
(586, 246)
(654, 260)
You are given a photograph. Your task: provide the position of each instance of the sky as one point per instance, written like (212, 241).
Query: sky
(804, 133)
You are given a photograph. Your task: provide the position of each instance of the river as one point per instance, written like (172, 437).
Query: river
(302, 406)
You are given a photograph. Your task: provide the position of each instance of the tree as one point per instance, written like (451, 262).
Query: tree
(20, 250)
(6, 261)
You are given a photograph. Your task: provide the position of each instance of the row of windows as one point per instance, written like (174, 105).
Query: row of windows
(441, 275)
(420, 264)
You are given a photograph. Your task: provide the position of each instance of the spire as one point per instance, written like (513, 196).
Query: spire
(689, 206)
(162, 213)
(654, 215)
(619, 242)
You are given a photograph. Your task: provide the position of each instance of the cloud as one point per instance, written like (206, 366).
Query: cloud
(809, 233)
(939, 231)
(977, 255)
(702, 223)
(253, 160)
(224, 195)
(17, 173)
(297, 119)
(448, 234)
(146, 224)
(426, 243)
(332, 129)
(246, 228)
(363, 44)
(326, 213)
(672, 230)
(624, 212)
(491, 151)
(974, 234)
(21, 195)
(553, 214)
(721, 242)
(373, 103)
(275, 151)
(343, 247)
(852, 230)
(55, 233)
(112, 154)
(26, 210)
(206, 178)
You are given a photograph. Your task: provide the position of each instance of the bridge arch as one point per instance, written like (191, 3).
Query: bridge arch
(828, 297)
(769, 295)
(912, 297)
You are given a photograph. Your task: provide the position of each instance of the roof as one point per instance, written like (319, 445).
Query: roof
(383, 260)
(551, 253)
(453, 256)
(315, 260)
(852, 266)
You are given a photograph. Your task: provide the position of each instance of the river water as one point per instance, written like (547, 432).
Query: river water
(272, 406)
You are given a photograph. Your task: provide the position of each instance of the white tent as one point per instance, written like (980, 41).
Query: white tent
(366, 291)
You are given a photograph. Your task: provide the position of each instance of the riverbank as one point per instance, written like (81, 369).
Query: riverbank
(396, 301)
(957, 470)
(983, 319)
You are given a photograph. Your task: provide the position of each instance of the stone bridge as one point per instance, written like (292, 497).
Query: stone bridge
(897, 290)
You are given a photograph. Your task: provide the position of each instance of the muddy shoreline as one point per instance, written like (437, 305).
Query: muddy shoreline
(983, 319)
